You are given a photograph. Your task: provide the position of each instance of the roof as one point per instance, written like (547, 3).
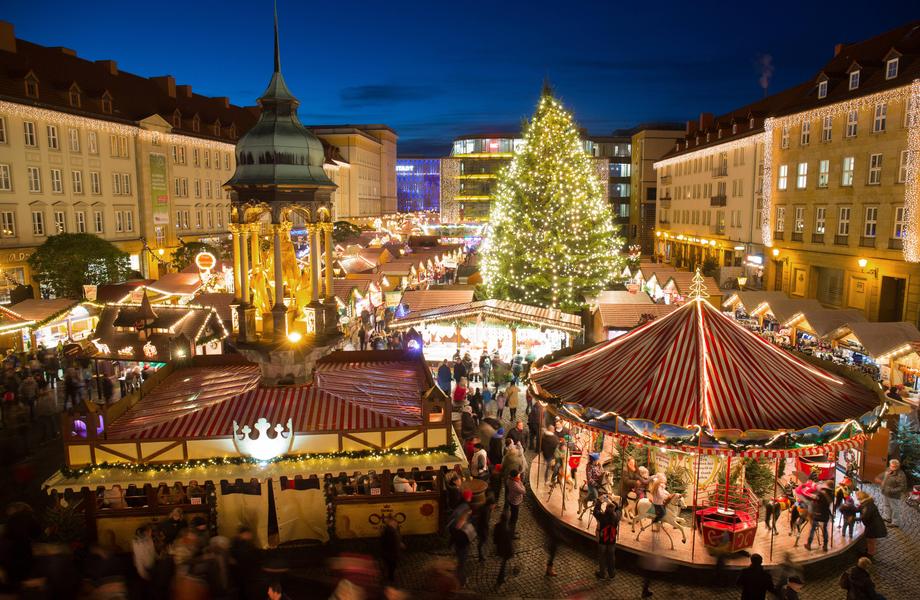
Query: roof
(785, 310)
(505, 310)
(357, 264)
(683, 279)
(879, 339)
(825, 321)
(752, 299)
(222, 302)
(351, 391)
(697, 366)
(627, 316)
(177, 284)
(620, 297)
(116, 292)
(40, 310)
(344, 288)
(419, 300)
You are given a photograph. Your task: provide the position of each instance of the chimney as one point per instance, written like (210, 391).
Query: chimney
(66, 51)
(691, 127)
(7, 37)
(184, 91)
(166, 83)
(837, 49)
(705, 121)
(223, 101)
(109, 65)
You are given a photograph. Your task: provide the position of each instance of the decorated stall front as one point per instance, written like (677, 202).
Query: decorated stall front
(891, 348)
(491, 326)
(41, 323)
(370, 437)
(735, 428)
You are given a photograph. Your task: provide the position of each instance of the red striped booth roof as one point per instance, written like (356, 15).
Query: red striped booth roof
(204, 402)
(697, 366)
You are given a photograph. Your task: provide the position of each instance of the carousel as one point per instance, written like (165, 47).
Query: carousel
(725, 437)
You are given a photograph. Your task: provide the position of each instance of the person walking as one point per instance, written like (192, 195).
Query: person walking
(517, 363)
(503, 535)
(608, 523)
(485, 368)
(500, 399)
(476, 403)
(894, 485)
(28, 392)
(391, 547)
(533, 429)
(482, 520)
(872, 520)
(513, 460)
(362, 338)
(479, 465)
(460, 371)
(462, 533)
(516, 435)
(512, 399)
(754, 581)
(858, 582)
(820, 515)
(548, 446)
(444, 377)
(514, 497)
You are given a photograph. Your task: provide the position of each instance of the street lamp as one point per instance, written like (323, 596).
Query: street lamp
(741, 282)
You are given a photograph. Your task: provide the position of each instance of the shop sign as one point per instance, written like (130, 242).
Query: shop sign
(89, 292)
(205, 261)
(756, 259)
(363, 520)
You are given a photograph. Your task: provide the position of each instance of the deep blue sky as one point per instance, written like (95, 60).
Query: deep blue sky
(434, 70)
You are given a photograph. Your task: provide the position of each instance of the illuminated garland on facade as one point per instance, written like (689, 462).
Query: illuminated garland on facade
(750, 140)
(911, 242)
(766, 207)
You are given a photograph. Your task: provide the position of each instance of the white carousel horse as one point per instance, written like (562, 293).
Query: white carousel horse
(605, 489)
(645, 510)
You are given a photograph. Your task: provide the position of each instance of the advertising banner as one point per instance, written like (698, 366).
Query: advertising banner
(159, 189)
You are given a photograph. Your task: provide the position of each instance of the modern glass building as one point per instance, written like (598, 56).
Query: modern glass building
(480, 159)
(617, 149)
(418, 184)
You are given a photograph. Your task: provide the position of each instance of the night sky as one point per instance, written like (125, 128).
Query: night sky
(434, 70)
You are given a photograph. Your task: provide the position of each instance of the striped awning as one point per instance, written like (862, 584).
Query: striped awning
(504, 310)
(697, 366)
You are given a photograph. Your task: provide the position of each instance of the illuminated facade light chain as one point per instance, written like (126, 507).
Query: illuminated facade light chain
(766, 207)
(750, 140)
(911, 242)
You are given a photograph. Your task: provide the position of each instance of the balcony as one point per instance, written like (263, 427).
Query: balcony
(796, 236)
(720, 171)
(720, 200)
(895, 244)
(665, 180)
(664, 225)
(779, 235)
(841, 240)
(817, 238)
(866, 242)
(665, 202)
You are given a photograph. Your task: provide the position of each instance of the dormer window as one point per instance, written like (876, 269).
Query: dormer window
(822, 89)
(719, 135)
(751, 124)
(891, 68)
(217, 127)
(196, 123)
(31, 85)
(232, 132)
(708, 135)
(734, 128)
(106, 103)
(177, 119)
(74, 96)
(854, 79)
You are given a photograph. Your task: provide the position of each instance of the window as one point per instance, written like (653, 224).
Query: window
(2, 130)
(118, 144)
(854, 79)
(121, 184)
(76, 180)
(60, 222)
(57, 181)
(227, 161)
(806, 133)
(74, 140)
(899, 223)
(93, 142)
(207, 188)
(843, 222)
(129, 221)
(891, 68)
(116, 184)
(38, 222)
(106, 103)
(783, 180)
(196, 157)
(827, 129)
(95, 182)
(75, 96)
(799, 219)
(210, 216)
(801, 181)
(180, 186)
(207, 159)
(98, 222)
(31, 85)
(198, 218)
(902, 167)
(196, 123)
(870, 222)
(81, 221)
(28, 132)
(820, 219)
(53, 142)
(780, 219)
(35, 179)
(119, 225)
(6, 181)
(220, 219)
(881, 116)
(8, 224)
(824, 168)
(197, 188)
(852, 121)
(875, 169)
(822, 89)
(177, 119)
(784, 140)
(218, 194)
(846, 178)
(178, 153)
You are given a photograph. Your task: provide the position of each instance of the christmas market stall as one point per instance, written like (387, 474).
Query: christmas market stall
(613, 313)
(890, 348)
(777, 316)
(743, 304)
(695, 410)
(814, 329)
(491, 326)
(370, 437)
(40, 323)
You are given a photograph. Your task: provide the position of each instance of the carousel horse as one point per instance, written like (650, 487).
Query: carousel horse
(604, 489)
(645, 510)
(774, 507)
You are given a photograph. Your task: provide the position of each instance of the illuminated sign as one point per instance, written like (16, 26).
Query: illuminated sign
(263, 447)
(755, 258)
(405, 168)
(150, 351)
(205, 261)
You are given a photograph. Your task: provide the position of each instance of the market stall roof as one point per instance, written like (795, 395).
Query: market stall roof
(418, 300)
(117, 337)
(684, 279)
(41, 310)
(118, 292)
(11, 321)
(627, 316)
(619, 297)
(697, 366)
(505, 310)
(786, 310)
(344, 288)
(886, 339)
(177, 284)
(825, 321)
(751, 299)
(360, 391)
(356, 264)
(222, 302)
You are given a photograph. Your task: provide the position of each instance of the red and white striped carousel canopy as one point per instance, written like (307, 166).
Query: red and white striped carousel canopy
(696, 366)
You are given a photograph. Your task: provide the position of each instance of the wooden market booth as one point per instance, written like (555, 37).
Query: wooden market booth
(43, 323)
(700, 398)
(209, 438)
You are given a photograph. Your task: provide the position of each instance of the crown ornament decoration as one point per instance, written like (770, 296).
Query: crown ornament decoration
(262, 446)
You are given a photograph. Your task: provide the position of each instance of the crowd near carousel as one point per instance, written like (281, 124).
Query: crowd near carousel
(715, 442)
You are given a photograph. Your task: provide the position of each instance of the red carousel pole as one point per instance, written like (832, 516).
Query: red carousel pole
(728, 476)
(696, 493)
(775, 481)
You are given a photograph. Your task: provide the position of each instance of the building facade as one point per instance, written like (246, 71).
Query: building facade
(648, 143)
(480, 158)
(616, 151)
(418, 184)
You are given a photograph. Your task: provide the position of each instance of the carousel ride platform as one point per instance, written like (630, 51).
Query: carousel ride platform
(694, 552)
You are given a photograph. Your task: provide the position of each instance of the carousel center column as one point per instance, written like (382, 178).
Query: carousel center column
(279, 310)
(327, 230)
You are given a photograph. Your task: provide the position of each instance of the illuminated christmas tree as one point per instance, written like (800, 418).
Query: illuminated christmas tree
(551, 237)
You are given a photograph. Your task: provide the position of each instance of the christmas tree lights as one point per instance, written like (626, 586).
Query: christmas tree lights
(551, 238)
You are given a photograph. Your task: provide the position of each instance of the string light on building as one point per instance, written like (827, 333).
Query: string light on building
(911, 241)
(766, 208)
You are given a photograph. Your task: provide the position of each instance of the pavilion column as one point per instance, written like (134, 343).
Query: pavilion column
(255, 254)
(235, 230)
(314, 261)
(327, 230)
(279, 310)
(244, 264)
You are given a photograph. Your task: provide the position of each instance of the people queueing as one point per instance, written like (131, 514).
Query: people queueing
(894, 486)
(754, 580)
(608, 523)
